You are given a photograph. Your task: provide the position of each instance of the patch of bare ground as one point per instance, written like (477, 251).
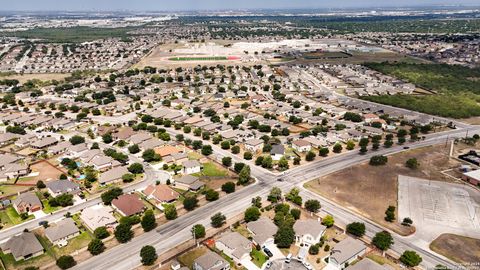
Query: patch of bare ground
(369, 190)
(458, 248)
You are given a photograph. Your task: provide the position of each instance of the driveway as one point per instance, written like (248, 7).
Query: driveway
(277, 254)
(247, 263)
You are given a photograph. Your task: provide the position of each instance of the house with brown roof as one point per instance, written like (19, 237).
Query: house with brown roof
(128, 204)
(123, 133)
(301, 145)
(161, 193)
(27, 203)
(166, 150)
(113, 175)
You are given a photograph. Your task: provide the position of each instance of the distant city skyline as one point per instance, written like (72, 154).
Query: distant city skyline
(192, 5)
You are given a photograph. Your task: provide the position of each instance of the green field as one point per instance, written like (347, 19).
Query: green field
(456, 88)
(207, 58)
(72, 34)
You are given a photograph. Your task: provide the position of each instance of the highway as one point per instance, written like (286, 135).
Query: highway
(178, 230)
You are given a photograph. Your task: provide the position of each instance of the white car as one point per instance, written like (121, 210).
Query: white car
(307, 265)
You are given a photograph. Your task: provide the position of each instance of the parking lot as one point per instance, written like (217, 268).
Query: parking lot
(438, 207)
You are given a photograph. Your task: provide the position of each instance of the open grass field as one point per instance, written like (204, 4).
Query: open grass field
(8, 190)
(457, 248)
(9, 217)
(456, 87)
(369, 190)
(360, 58)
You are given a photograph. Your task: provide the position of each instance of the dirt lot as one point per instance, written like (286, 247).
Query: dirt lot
(356, 186)
(457, 248)
(47, 171)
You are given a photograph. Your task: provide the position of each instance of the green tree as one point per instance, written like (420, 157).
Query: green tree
(109, 195)
(328, 221)
(312, 205)
(218, 220)
(285, 236)
(228, 187)
(149, 155)
(190, 203)
(252, 214)
(310, 156)
(350, 145)
(148, 255)
(207, 150)
(323, 152)
(133, 149)
(101, 232)
(412, 163)
(227, 161)
(107, 138)
(77, 140)
(148, 221)
(383, 240)
(378, 160)
(135, 168)
(356, 228)
(211, 195)
(244, 175)
(198, 231)
(96, 246)
(170, 211)
(123, 232)
(275, 195)
(66, 261)
(410, 258)
(337, 148)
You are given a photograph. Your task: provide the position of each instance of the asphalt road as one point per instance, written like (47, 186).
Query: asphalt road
(126, 256)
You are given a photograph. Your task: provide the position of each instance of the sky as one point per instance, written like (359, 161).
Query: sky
(178, 5)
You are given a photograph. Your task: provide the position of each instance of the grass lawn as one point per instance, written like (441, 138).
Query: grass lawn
(74, 244)
(188, 258)
(212, 170)
(49, 209)
(10, 217)
(11, 189)
(258, 257)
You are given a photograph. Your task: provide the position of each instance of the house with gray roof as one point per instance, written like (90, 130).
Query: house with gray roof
(191, 166)
(189, 182)
(112, 176)
(60, 187)
(23, 246)
(366, 263)
(277, 151)
(308, 232)
(263, 231)
(235, 246)
(44, 143)
(345, 252)
(211, 261)
(61, 232)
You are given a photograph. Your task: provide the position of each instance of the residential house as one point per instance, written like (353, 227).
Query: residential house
(301, 145)
(123, 133)
(263, 231)
(277, 151)
(235, 246)
(211, 261)
(98, 216)
(161, 193)
(13, 170)
(368, 264)
(188, 182)
(345, 252)
(60, 187)
(62, 231)
(103, 162)
(191, 166)
(27, 203)
(113, 175)
(44, 143)
(308, 232)
(254, 145)
(128, 204)
(23, 246)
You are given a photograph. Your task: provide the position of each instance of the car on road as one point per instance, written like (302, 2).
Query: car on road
(288, 259)
(280, 179)
(268, 252)
(269, 264)
(406, 147)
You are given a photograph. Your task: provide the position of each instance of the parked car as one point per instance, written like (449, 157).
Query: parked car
(288, 259)
(269, 264)
(268, 252)
(307, 265)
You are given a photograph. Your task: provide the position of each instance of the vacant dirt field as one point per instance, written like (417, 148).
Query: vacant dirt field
(47, 172)
(458, 248)
(369, 190)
